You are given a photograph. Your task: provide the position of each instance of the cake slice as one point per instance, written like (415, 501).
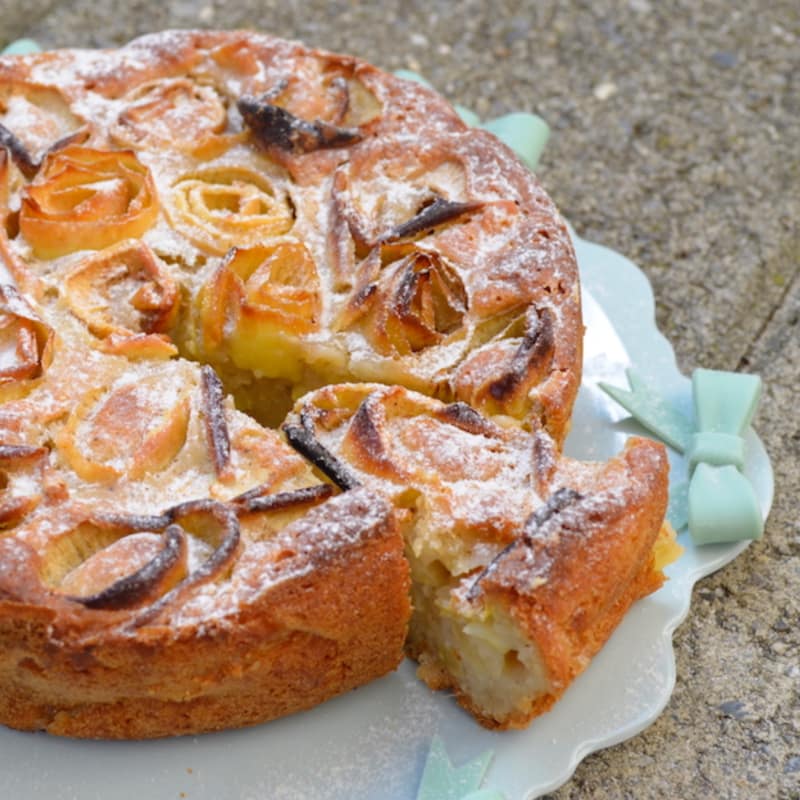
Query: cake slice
(522, 560)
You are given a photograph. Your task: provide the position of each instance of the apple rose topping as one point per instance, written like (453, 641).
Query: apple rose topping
(327, 89)
(88, 583)
(87, 199)
(33, 120)
(414, 303)
(214, 527)
(259, 289)
(25, 341)
(133, 428)
(368, 211)
(176, 111)
(497, 377)
(113, 561)
(295, 120)
(225, 207)
(124, 293)
(431, 215)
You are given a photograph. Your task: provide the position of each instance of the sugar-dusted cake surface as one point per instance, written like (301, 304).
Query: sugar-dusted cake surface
(197, 229)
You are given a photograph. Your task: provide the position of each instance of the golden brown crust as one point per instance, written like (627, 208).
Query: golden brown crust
(321, 619)
(570, 587)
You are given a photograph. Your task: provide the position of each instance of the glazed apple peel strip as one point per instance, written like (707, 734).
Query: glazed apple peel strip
(190, 518)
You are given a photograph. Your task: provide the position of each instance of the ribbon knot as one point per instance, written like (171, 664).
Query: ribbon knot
(722, 504)
(719, 449)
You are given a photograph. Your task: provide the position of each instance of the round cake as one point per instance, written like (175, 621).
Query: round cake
(197, 230)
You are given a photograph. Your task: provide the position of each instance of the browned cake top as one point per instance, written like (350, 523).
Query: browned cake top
(199, 214)
(301, 199)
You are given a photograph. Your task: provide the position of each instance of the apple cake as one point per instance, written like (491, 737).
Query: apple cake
(198, 229)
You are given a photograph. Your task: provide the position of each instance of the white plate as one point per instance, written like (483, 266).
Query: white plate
(371, 744)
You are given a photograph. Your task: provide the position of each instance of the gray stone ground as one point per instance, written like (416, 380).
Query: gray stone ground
(677, 142)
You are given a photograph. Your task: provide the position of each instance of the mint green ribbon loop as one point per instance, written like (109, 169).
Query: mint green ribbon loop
(724, 402)
(526, 134)
(718, 449)
(21, 47)
(722, 505)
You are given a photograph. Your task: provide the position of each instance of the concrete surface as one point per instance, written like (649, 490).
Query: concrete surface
(676, 142)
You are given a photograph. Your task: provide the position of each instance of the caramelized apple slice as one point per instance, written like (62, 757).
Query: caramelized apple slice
(19, 154)
(434, 182)
(135, 427)
(413, 304)
(258, 457)
(329, 89)
(25, 341)
(211, 522)
(323, 104)
(498, 377)
(163, 563)
(23, 160)
(303, 438)
(117, 561)
(87, 199)
(217, 525)
(111, 561)
(35, 117)
(432, 214)
(141, 346)
(536, 536)
(274, 126)
(264, 515)
(12, 267)
(259, 499)
(282, 283)
(258, 290)
(214, 417)
(86, 534)
(367, 212)
(123, 292)
(225, 206)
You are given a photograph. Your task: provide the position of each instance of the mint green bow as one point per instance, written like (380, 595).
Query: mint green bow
(722, 504)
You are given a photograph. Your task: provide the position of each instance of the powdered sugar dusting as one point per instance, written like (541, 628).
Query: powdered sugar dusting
(123, 422)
